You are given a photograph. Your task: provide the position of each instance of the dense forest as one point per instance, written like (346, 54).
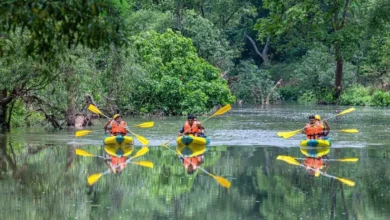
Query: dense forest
(173, 57)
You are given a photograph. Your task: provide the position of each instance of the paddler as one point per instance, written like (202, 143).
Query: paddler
(190, 127)
(311, 129)
(323, 127)
(313, 165)
(116, 126)
(117, 164)
(192, 163)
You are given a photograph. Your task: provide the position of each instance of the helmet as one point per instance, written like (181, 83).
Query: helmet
(190, 116)
(317, 117)
(116, 116)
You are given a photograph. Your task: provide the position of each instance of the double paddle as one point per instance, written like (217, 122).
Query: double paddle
(92, 179)
(140, 138)
(293, 161)
(290, 134)
(222, 181)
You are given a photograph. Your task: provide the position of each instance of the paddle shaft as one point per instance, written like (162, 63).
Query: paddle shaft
(326, 159)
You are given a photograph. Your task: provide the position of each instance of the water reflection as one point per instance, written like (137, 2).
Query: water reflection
(115, 157)
(42, 178)
(191, 156)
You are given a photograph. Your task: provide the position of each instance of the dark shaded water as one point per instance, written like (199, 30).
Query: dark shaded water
(42, 178)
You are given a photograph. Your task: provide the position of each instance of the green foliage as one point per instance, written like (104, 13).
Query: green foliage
(308, 98)
(289, 93)
(254, 85)
(315, 75)
(149, 20)
(381, 98)
(356, 95)
(209, 41)
(23, 116)
(177, 80)
(92, 23)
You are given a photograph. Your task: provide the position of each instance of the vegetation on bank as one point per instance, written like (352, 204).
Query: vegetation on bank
(175, 57)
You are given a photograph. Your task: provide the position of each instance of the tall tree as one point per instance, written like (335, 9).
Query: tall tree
(298, 23)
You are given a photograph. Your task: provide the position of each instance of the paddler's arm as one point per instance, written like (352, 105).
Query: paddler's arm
(106, 125)
(326, 125)
(181, 131)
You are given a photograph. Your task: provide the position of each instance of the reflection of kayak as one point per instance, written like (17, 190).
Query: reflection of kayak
(118, 140)
(186, 140)
(315, 151)
(191, 150)
(118, 150)
(316, 143)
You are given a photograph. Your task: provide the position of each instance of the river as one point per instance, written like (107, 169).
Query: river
(42, 178)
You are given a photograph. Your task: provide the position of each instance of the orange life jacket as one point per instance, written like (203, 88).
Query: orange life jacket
(192, 160)
(190, 129)
(117, 129)
(118, 162)
(311, 131)
(315, 163)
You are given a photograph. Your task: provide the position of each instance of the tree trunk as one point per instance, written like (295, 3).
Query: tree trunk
(338, 73)
(264, 54)
(4, 101)
(71, 90)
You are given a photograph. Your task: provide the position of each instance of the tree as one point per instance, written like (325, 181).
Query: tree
(177, 80)
(91, 23)
(332, 22)
(254, 85)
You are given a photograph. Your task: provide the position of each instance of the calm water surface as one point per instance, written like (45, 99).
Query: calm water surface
(42, 178)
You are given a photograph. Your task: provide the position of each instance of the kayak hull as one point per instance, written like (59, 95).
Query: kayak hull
(118, 150)
(316, 143)
(118, 140)
(191, 150)
(186, 140)
(315, 151)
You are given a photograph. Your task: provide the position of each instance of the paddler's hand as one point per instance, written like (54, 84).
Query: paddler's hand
(180, 134)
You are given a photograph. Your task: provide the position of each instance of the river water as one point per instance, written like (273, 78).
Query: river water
(42, 178)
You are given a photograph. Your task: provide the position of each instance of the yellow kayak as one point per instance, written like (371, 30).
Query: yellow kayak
(118, 150)
(118, 140)
(316, 143)
(191, 150)
(190, 139)
(315, 151)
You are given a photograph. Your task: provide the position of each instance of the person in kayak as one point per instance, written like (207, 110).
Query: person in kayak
(201, 130)
(116, 164)
(192, 163)
(116, 126)
(311, 129)
(323, 126)
(190, 127)
(313, 165)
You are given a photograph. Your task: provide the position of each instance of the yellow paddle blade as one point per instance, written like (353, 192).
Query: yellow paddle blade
(144, 163)
(83, 153)
(346, 181)
(94, 178)
(222, 181)
(149, 124)
(281, 134)
(291, 134)
(141, 139)
(346, 111)
(348, 159)
(350, 130)
(141, 152)
(222, 110)
(94, 109)
(288, 159)
(83, 133)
